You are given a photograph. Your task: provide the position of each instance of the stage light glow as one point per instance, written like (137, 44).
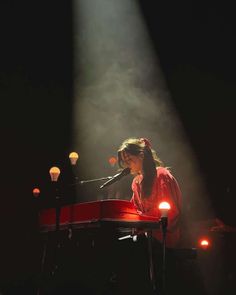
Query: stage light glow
(204, 243)
(36, 192)
(164, 205)
(73, 156)
(112, 161)
(54, 173)
(164, 208)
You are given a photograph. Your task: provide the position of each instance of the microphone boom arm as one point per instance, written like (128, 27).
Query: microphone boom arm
(116, 177)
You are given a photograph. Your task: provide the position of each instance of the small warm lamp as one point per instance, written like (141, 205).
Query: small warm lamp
(112, 161)
(164, 208)
(36, 192)
(73, 158)
(204, 243)
(54, 173)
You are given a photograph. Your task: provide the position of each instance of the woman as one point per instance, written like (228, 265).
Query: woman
(152, 184)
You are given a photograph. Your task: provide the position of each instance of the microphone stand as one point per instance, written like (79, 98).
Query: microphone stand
(151, 267)
(58, 212)
(95, 180)
(57, 229)
(164, 224)
(81, 182)
(110, 179)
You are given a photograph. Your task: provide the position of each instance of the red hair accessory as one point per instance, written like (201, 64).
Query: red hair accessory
(146, 142)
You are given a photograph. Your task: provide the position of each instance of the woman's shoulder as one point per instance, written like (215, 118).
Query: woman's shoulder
(164, 171)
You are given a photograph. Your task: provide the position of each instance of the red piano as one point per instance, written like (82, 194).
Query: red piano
(96, 241)
(115, 213)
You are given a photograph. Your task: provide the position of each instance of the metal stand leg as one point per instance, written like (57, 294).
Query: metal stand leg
(57, 233)
(164, 264)
(42, 263)
(164, 223)
(151, 266)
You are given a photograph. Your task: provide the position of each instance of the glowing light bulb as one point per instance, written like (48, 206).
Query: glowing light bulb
(73, 158)
(164, 207)
(54, 173)
(36, 192)
(204, 243)
(112, 161)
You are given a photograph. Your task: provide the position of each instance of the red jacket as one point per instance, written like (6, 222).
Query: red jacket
(165, 188)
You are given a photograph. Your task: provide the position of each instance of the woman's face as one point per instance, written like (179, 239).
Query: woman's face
(135, 163)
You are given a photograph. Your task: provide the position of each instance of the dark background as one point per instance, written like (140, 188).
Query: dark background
(195, 44)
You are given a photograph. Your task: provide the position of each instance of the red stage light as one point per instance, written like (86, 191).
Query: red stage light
(204, 243)
(112, 161)
(164, 207)
(36, 192)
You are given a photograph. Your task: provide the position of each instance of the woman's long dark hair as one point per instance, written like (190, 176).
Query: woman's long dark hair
(135, 146)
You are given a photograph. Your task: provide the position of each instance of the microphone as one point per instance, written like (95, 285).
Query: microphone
(116, 177)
